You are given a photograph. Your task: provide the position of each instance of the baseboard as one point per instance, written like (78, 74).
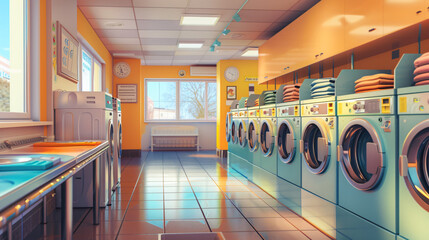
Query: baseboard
(131, 153)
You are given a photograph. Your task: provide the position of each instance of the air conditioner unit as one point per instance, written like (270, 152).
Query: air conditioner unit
(203, 71)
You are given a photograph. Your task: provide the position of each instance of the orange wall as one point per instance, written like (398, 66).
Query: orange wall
(87, 32)
(131, 112)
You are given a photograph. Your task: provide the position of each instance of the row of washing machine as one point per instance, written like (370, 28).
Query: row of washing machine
(91, 116)
(361, 161)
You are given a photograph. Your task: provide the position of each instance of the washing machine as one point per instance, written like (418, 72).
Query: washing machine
(413, 150)
(117, 142)
(228, 123)
(253, 134)
(243, 122)
(288, 136)
(86, 116)
(233, 146)
(267, 138)
(367, 158)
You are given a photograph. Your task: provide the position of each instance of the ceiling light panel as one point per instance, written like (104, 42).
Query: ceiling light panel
(108, 12)
(112, 24)
(199, 20)
(250, 52)
(190, 45)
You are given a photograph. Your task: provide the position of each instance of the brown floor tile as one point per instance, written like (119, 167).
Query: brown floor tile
(184, 226)
(222, 213)
(301, 224)
(134, 205)
(138, 237)
(282, 235)
(259, 212)
(141, 227)
(241, 236)
(104, 228)
(271, 224)
(229, 225)
(139, 215)
(316, 235)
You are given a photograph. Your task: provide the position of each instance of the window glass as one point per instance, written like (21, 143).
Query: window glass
(97, 76)
(192, 100)
(211, 100)
(161, 100)
(86, 71)
(13, 53)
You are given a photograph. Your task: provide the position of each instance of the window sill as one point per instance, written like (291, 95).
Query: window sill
(15, 124)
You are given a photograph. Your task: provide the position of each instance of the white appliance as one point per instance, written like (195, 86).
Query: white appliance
(117, 142)
(86, 116)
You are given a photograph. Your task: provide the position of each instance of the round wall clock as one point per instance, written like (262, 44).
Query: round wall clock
(231, 74)
(182, 73)
(122, 69)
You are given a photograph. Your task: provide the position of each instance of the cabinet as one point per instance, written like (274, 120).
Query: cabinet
(363, 21)
(399, 14)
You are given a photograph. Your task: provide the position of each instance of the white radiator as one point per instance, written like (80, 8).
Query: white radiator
(174, 137)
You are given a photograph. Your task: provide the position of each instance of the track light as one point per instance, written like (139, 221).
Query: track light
(236, 17)
(217, 43)
(212, 48)
(226, 31)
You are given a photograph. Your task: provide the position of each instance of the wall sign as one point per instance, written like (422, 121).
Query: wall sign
(127, 93)
(231, 92)
(251, 79)
(67, 50)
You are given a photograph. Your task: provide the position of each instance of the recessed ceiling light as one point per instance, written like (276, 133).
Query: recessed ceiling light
(114, 24)
(201, 20)
(250, 52)
(190, 45)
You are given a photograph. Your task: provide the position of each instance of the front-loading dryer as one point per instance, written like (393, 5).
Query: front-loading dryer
(267, 139)
(86, 116)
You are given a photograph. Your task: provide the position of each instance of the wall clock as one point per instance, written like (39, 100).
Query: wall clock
(122, 69)
(231, 74)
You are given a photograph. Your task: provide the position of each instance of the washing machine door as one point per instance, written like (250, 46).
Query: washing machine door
(361, 155)
(314, 146)
(286, 141)
(414, 163)
(228, 127)
(233, 132)
(110, 138)
(266, 137)
(241, 133)
(252, 135)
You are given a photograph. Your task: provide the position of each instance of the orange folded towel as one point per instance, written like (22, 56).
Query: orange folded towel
(375, 82)
(374, 77)
(373, 88)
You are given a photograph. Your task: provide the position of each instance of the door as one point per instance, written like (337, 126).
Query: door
(242, 139)
(266, 137)
(414, 163)
(252, 135)
(286, 141)
(314, 146)
(360, 154)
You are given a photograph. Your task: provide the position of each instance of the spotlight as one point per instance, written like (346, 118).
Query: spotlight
(236, 17)
(212, 48)
(217, 43)
(226, 31)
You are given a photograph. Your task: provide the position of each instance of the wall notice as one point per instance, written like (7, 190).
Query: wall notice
(127, 93)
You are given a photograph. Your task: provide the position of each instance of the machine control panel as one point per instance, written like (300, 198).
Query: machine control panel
(288, 111)
(242, 114)
(252, 113)
(382, 105)
(268, 112)
(318, 109)
(234, 114)
(413, 104)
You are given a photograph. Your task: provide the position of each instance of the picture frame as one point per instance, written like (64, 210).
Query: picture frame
(67, 54)
(231, 92)
(127, 93)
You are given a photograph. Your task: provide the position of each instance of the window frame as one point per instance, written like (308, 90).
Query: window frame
(85, 46)
(26, 115)
(177, 81)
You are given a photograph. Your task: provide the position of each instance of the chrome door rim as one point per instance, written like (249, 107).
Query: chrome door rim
(242, 137)
(281, 145)
(348, 154)
(269, 149)
(251, 140)
(306, 152)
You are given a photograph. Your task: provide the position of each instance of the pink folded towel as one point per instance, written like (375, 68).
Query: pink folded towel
(425, 82)
(421, 77)
(375, 82)
(421, 69)
(375, 77)
(422, 60)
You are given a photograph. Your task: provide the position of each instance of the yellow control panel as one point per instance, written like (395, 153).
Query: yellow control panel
(375, 106)
(414, 104)
(315, 109)
(268, 112)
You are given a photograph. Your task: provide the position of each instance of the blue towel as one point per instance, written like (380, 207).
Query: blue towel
(28, 166)
(322, 80)
(323, 85)
(322, 94)
(325, 89)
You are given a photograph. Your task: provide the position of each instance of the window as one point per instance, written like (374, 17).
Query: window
(14, 97)
(91, 79)
(180, 100)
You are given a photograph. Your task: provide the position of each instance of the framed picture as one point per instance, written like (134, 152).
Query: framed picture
(67, 54)
(231, 93)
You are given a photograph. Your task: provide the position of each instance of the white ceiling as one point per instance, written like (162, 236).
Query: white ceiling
(151, 30)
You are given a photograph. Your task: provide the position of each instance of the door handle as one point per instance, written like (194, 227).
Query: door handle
(301, 146)
(403, 166)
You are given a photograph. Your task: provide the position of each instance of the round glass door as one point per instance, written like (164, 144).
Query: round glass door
(233, 133)
(360, 155)
(111, 143)
(242, 134)
(286, 142)
(414, 163)
(315, 147)
(266, 136)
(252, 135)
(227, 127)
(120, 140)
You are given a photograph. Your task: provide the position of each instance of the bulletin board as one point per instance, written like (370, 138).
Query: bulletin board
(68, 53)
(127, 93)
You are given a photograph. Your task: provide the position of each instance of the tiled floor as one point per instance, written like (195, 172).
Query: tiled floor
(176, 192)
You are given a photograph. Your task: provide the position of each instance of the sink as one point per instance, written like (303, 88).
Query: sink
(13, 160)
(6, 183)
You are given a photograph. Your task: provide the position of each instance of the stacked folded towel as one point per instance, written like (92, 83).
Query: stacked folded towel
(422, 70)
(257, 102)
(375, 82)
(269, 97)
(323, 87)
(291, 92)
(245, 103)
